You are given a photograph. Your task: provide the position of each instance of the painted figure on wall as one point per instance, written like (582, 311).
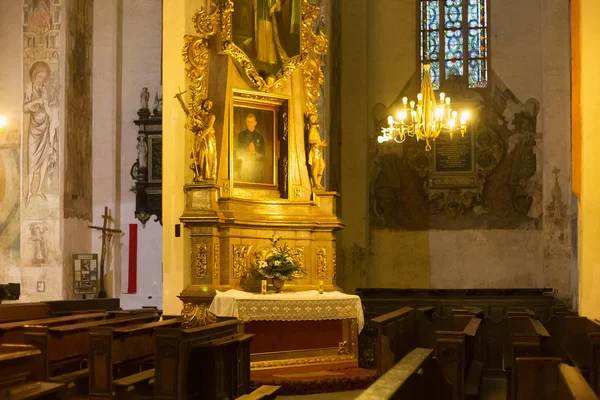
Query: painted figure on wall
(40, 18)
(268, 46)
(43, 126)
(250, 151)
(316, 160)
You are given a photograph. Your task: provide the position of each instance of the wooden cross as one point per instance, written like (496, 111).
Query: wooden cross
(107, 234)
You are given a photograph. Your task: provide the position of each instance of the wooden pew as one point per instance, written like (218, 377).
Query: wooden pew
(546, 378)
(265, 392)
(456, 351)
(526, 337)
(119, 356)
(555, 326)
(219, 355)
(23, 311)
(396, 337)
(65, 348)
(69, 307)
(14, 332)
(21, 374)
(416, 376)
(581, 344)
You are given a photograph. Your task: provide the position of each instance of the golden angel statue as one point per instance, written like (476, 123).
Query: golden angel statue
(204, 150)
(316, 159)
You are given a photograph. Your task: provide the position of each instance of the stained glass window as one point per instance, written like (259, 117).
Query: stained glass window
(454, 40)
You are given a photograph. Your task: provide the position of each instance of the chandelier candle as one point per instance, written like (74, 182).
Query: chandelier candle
(424, 119)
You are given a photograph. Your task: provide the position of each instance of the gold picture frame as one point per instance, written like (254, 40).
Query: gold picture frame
(255, 145)
(257, 77)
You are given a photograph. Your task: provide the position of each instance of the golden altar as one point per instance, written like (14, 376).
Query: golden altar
(257, 158)
(285, 325)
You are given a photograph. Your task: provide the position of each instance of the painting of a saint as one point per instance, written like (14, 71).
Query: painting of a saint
(253, 145)
(43, 126)
(268, 31)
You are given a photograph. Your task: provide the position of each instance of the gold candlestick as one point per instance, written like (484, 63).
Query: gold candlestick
(321, 286)
(263, 286)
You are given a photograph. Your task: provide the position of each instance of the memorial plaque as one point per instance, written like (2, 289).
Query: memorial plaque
(454, 155)
(155, 158)
(85, 274)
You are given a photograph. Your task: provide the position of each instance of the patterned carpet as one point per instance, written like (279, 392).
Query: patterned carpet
(314, 379)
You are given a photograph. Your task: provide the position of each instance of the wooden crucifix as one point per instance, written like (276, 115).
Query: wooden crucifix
(107, 234)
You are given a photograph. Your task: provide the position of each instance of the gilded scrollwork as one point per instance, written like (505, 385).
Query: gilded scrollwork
(196, 315)
(240, 260)
(321, 262)
(333, 261)
(313, 79)
(201, 261)
(206, 23)
(196, 54)
(217, 261)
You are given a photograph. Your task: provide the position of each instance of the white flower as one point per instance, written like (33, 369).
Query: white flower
(262, 265)
(277, 263)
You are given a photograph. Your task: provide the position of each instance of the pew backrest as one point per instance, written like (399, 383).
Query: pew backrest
(396, 337)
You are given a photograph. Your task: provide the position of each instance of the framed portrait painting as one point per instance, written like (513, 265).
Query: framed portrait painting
(254, 141)
(268, 31)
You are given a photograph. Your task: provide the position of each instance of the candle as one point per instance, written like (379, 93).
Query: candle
(321, 286)
(263, 286)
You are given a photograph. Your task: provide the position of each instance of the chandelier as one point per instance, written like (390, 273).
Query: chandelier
(425, 119)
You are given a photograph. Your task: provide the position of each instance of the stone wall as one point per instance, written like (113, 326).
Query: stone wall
(530, 57)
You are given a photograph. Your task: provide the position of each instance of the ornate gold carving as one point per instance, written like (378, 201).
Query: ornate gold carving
(217, 261)
(240, 260)
(284, 163)
(196, 315)
(205, 23)
(354, 337)
(196, 54)
(260, 254)
(321, 262)
(201, 261)
(297, 192)
(225, 187)
(311, 42)
(286, 127)
(343, 348)
(301, 361)
(313, 79)
(334, 260)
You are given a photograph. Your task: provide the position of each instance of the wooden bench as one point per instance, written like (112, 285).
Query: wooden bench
(581, 344)
(14, 332)
(548, 378)
(70, 307)
(526, 337)
(65, 348)
(555, 326)
(416, 376)
(219, 355)
(396, 337)
(120, 356)
(456, 351)
(21, 374)
(23, 311)
(265, 392)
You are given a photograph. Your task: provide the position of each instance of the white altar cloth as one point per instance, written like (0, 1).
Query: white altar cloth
(293, 306)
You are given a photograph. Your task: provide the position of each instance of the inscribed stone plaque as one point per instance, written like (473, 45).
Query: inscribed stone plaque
(453, 155)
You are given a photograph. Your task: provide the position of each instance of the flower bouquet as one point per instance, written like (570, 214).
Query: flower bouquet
(280, 265)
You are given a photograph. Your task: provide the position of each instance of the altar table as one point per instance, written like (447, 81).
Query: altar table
(295, 328)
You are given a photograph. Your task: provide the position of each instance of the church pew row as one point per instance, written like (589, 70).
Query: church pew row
(21, 374)
(65, 348)
(547, 378)
(581, 344)
(456, 351)
(416, 376)
(525, 339)
(123, 357)
(23, 311)
(218, 355)
(14, 332)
